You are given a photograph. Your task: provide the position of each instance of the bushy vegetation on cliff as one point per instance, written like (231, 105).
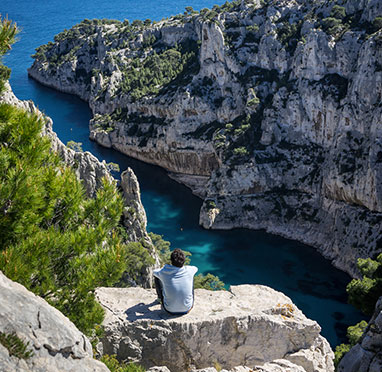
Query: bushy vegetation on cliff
(8, 31)
(56, 241)
(363, 294)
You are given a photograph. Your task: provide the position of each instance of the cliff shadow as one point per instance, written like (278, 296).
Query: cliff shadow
(151, 311)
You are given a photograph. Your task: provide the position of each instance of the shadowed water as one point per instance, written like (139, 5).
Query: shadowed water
(237, 256)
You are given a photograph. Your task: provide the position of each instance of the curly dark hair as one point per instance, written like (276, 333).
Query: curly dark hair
(177, 258)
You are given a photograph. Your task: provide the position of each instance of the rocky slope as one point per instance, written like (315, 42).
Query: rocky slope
(249, 325)
(91, 171)
(269, 110)
(366, 356)
(51, 341)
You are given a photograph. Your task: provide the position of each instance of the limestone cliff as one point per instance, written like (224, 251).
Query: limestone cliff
(252, 326)
(53, 343)
(269, 110)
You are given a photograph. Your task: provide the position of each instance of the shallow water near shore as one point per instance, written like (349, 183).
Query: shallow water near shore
(237, 256)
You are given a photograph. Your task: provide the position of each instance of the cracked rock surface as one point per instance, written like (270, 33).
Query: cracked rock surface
(250, 325)
(57, 345)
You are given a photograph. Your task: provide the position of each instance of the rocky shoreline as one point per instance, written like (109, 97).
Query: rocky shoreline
(270, 111)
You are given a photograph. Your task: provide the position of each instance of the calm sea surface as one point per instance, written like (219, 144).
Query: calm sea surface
(238, 256)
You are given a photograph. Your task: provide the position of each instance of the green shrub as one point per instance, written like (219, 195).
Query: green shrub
(331, 25)
(354, 334)
(76, 146)
(209, 282)
(240, 151)
(15, 346)
(377, 24)
(115, 366)
(157, 70)
(56, 241)
(339, 353)
(364, 293)
(8, 32)
(338, 12)
(253, 101)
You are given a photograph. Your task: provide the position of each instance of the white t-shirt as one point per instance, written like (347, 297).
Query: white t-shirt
(178, 283)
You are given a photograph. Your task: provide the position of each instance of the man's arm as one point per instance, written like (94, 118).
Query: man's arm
(156, 273)
(193, 269)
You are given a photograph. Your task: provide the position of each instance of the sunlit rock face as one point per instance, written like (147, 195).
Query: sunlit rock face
(250, 325)
(276, 104)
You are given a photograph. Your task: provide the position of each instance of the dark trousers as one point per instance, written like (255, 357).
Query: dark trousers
(159, 290)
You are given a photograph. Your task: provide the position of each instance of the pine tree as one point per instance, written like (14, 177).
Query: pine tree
(55, 240)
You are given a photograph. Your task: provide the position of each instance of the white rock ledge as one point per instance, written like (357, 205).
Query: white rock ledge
(250, 325)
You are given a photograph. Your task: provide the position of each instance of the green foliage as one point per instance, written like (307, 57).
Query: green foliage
(377, 24)
(115, 366)
(332, 26)
(15, 346)
(5, 73)
(354, 334)
(208, 281)
(137, 23)
(339, 353)
(289, 34)
(162, 247)
(253, 101)
(210, 204)
(252, 28)
(8, 32)
(149, 75)
(240, 151)
(137, 259)
(76, 146)
(55, 240)
(112, 167)
(363, 293)
(338, 12)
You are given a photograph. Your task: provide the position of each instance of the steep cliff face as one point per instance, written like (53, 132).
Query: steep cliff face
(277, 104)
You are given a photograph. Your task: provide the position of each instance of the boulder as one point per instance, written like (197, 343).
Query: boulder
(249, 325)
(53, 342)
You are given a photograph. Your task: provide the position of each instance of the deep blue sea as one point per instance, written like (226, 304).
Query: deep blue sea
(238, 256)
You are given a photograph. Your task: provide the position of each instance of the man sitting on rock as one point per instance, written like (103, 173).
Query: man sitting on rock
(175, 284)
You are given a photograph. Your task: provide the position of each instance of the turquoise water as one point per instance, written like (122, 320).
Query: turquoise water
(237, 256)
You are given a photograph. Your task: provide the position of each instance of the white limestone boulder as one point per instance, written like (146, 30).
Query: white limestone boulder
(57, 345)
(250, 325)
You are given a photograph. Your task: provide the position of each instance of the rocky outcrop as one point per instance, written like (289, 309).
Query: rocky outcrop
(366, 356)
(53, 343)
(277, 104)
(249, 325)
